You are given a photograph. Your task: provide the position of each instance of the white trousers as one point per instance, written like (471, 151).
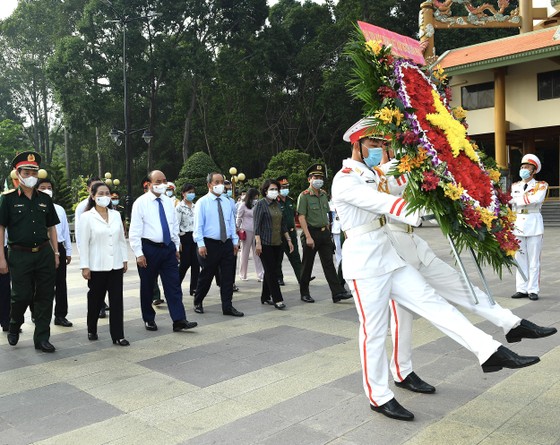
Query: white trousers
(407, 287)
(247, 245)
(448, 283)
(529, 259)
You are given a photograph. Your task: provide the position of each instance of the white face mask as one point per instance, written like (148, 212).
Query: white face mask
(272, 194)
(103, 201)
(30, 182)
(317, 183)
(115, 202)
(218, 189)
(159, 188)
(47, 192)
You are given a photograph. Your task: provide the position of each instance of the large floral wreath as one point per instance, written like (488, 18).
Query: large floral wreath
(448, 175)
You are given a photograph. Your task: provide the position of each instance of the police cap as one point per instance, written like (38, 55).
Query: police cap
(29, 160)
(316, 170)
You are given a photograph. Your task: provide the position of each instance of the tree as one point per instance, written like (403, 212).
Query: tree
(12, 141)
(195, 171)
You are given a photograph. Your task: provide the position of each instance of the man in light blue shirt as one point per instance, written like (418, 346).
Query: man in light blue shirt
(217, 241)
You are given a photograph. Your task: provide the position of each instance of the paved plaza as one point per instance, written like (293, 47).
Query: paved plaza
(274, 377)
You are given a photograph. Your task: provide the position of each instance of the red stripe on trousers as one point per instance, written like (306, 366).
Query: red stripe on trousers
(396, 337)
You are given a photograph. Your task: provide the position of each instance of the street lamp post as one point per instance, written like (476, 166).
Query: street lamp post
(235, 178)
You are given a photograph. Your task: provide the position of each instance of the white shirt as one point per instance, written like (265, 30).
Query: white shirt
(528, 199)
(145, 222)
(80, 209)
(63, 230)
(102, 243)
(185, 217)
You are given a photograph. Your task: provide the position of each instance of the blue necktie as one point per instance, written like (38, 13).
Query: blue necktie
(164, 224)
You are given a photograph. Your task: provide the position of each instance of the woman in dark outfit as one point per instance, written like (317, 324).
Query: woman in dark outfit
(269, 228)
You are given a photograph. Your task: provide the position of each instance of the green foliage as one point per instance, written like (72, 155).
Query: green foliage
(11, 142)
(195, 171)
(62, 192)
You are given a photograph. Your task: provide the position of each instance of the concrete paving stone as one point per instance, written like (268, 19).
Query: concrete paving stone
(351, 383)
(448, 432)
(297, 434)
(348, 314)
(245, 383)
(497, 438)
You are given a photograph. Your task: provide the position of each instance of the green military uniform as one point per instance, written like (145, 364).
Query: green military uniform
(315, 208)
(288, 211)
(31, 259)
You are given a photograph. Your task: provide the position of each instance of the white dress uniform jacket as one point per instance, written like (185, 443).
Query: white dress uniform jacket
(527, 203)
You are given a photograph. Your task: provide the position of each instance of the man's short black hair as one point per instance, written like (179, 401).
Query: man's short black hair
(44, 181)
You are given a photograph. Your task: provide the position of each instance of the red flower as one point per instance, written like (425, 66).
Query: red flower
(503, 197)
(472, 217)
(386, 92)
(408, 138)
(430, 182)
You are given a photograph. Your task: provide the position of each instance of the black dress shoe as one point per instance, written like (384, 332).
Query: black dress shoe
(233, 312)
(280, 305)
(121, 342)
(267, 301)
(158, 302)
(45, 346)
(311, 279)
(235, 288)
(150, 326)
(198, 309)
(183, 325)
(62, 321)
(504, 358)
(533, 297)
(520, 295)
(13, 338)
(394, 410)
(416, 384)
(102, 313)
(281, 282)
(526, 329)
(342, 296)
(92, 336)
(307, 299)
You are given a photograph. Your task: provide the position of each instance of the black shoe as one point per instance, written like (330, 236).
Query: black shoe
(520, 295)
(281, 282)
(183, 325)
(280, 305)
(267, 301)
(311, 279)
(526, 329)
(102, 313)
(62, 321)
(235, 288)
(13, 338)
(394, 410)
(416, 384)
(342, 296)
(7, 329)
(158, 302)
(92, 337)
(198, 309)
(150, 326)
(45, 346)
(191, 293)
(121, 342)
(233, 312)
(307, 299)
(533, 297)
(504, 358)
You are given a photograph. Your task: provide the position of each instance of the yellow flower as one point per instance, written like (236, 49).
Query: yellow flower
(374, 46)
(511, 216)
(420, 157)
(405, 164)
(385, 115)
(398, 116)
(494, 175)
(510, 253)
(455, 132)
(486, 216)
(459, 113)
(439, 73)
(453, 192)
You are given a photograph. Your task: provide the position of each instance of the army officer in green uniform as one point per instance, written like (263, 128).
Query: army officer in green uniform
(313, 210)
(30, 218)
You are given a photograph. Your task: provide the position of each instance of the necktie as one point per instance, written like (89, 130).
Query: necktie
(164, 224)
(223, 233)
(525, 186)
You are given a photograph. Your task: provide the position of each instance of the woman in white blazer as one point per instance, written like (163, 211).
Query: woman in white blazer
(103, 260)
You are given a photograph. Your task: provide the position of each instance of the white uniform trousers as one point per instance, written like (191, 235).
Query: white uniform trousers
(448, 283)
(406, 286)
(529, 259)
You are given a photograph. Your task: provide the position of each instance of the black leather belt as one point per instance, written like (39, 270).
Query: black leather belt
(318, 229)
(29, 249)
(153, 243)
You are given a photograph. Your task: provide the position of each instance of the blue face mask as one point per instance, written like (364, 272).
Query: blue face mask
(284, 192)
(230, 193)
(374, 157)
(191, 196)
(524, 173)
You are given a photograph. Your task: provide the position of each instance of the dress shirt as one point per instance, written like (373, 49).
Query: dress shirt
(207, 219)
(63, 230)
(245, 218)
(185, 216)
(80, 209)
(102, 243)
(145, 222)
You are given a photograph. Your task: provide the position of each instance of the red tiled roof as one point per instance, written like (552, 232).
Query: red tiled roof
(501, 48)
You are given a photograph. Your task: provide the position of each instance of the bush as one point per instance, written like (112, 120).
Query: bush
(195, 170)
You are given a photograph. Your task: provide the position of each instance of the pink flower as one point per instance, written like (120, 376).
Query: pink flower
(430, 182)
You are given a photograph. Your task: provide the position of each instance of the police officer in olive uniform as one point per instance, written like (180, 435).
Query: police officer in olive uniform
(313, 210)
(33, 256)
(287, 205)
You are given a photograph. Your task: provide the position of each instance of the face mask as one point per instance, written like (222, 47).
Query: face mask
(374, 157)
(255, 202)
(115, 202)
(230, 193)
(317, 183)
(524, 173)
(28, 182)
(272, 194)
(284, 192)
(169, 193)
(103, 201)
(191, 196)
(48, 192)
(159, 188)
(218, 189)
